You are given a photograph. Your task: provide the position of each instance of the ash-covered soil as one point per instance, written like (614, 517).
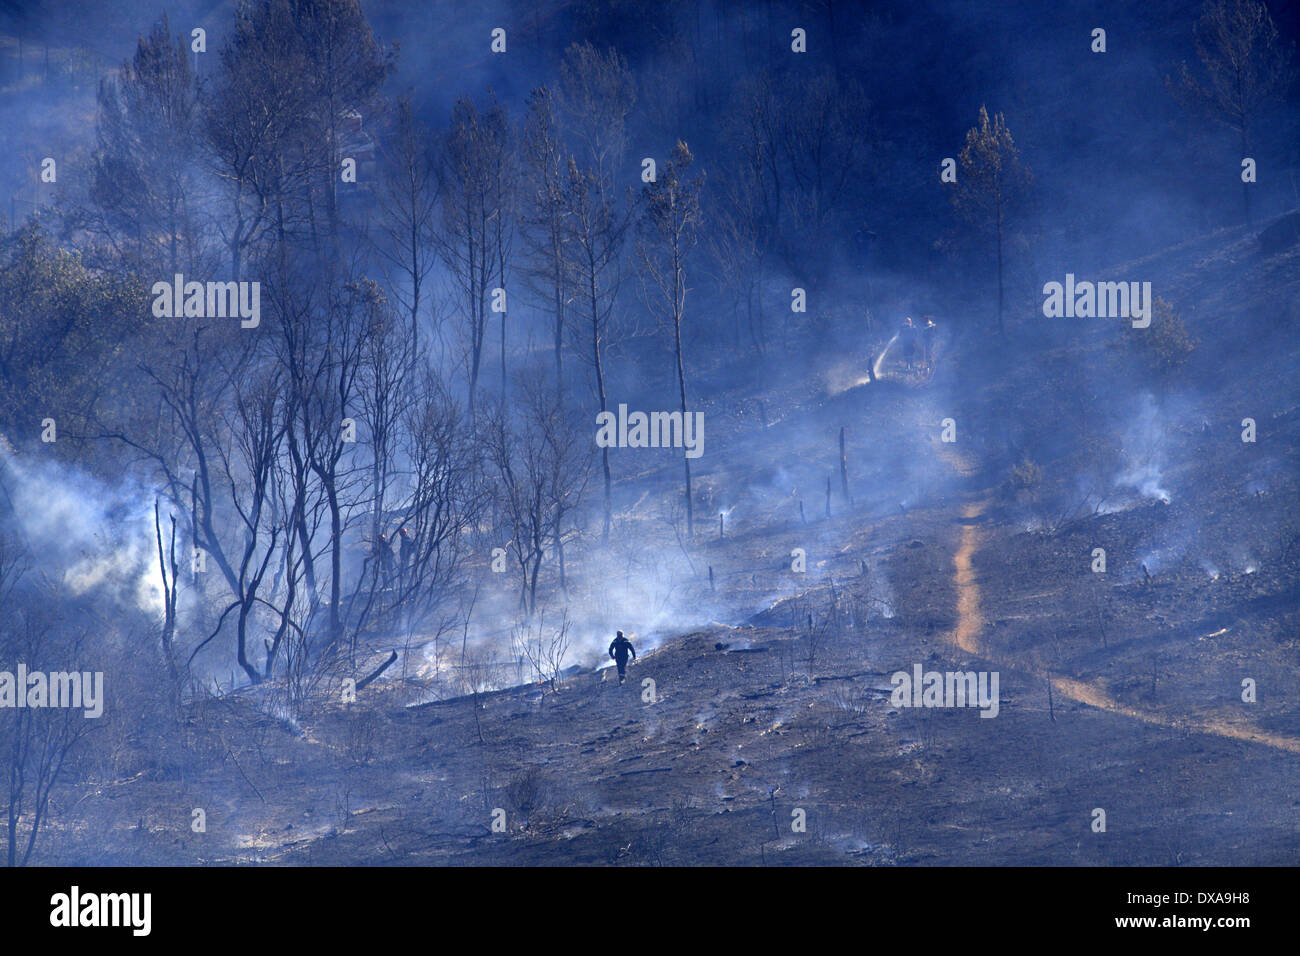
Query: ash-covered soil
(1120, 690)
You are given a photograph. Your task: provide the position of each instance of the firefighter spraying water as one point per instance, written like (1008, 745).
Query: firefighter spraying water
(917, 345)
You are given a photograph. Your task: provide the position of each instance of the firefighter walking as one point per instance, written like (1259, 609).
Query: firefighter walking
(619, 649)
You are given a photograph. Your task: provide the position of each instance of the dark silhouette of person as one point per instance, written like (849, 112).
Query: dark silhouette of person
(619, 648)
(405, 552)
(909, 342)
(384, 555)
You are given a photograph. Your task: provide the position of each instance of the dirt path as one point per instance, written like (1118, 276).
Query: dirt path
(1094, 696)
(970, 621)
(970, 626)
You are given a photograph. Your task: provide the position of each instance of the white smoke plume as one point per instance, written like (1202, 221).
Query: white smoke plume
(89, 536)
(1145, 453)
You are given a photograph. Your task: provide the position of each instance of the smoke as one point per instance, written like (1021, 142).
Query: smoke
(96, 539)
(1145, 452)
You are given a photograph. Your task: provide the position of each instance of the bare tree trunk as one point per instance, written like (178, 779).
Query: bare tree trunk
(532, 582)
(501, 272)
(559, 552)
(681, 386)
(336, 562)
(415, 285)
(309, 563)
(600, 387)
(844, 467)
(559, 326)
(241, 649)
(169, 593)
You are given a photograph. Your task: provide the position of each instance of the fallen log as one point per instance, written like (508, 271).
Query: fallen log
(392, 658)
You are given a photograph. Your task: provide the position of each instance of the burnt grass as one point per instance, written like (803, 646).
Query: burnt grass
(757, 716)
